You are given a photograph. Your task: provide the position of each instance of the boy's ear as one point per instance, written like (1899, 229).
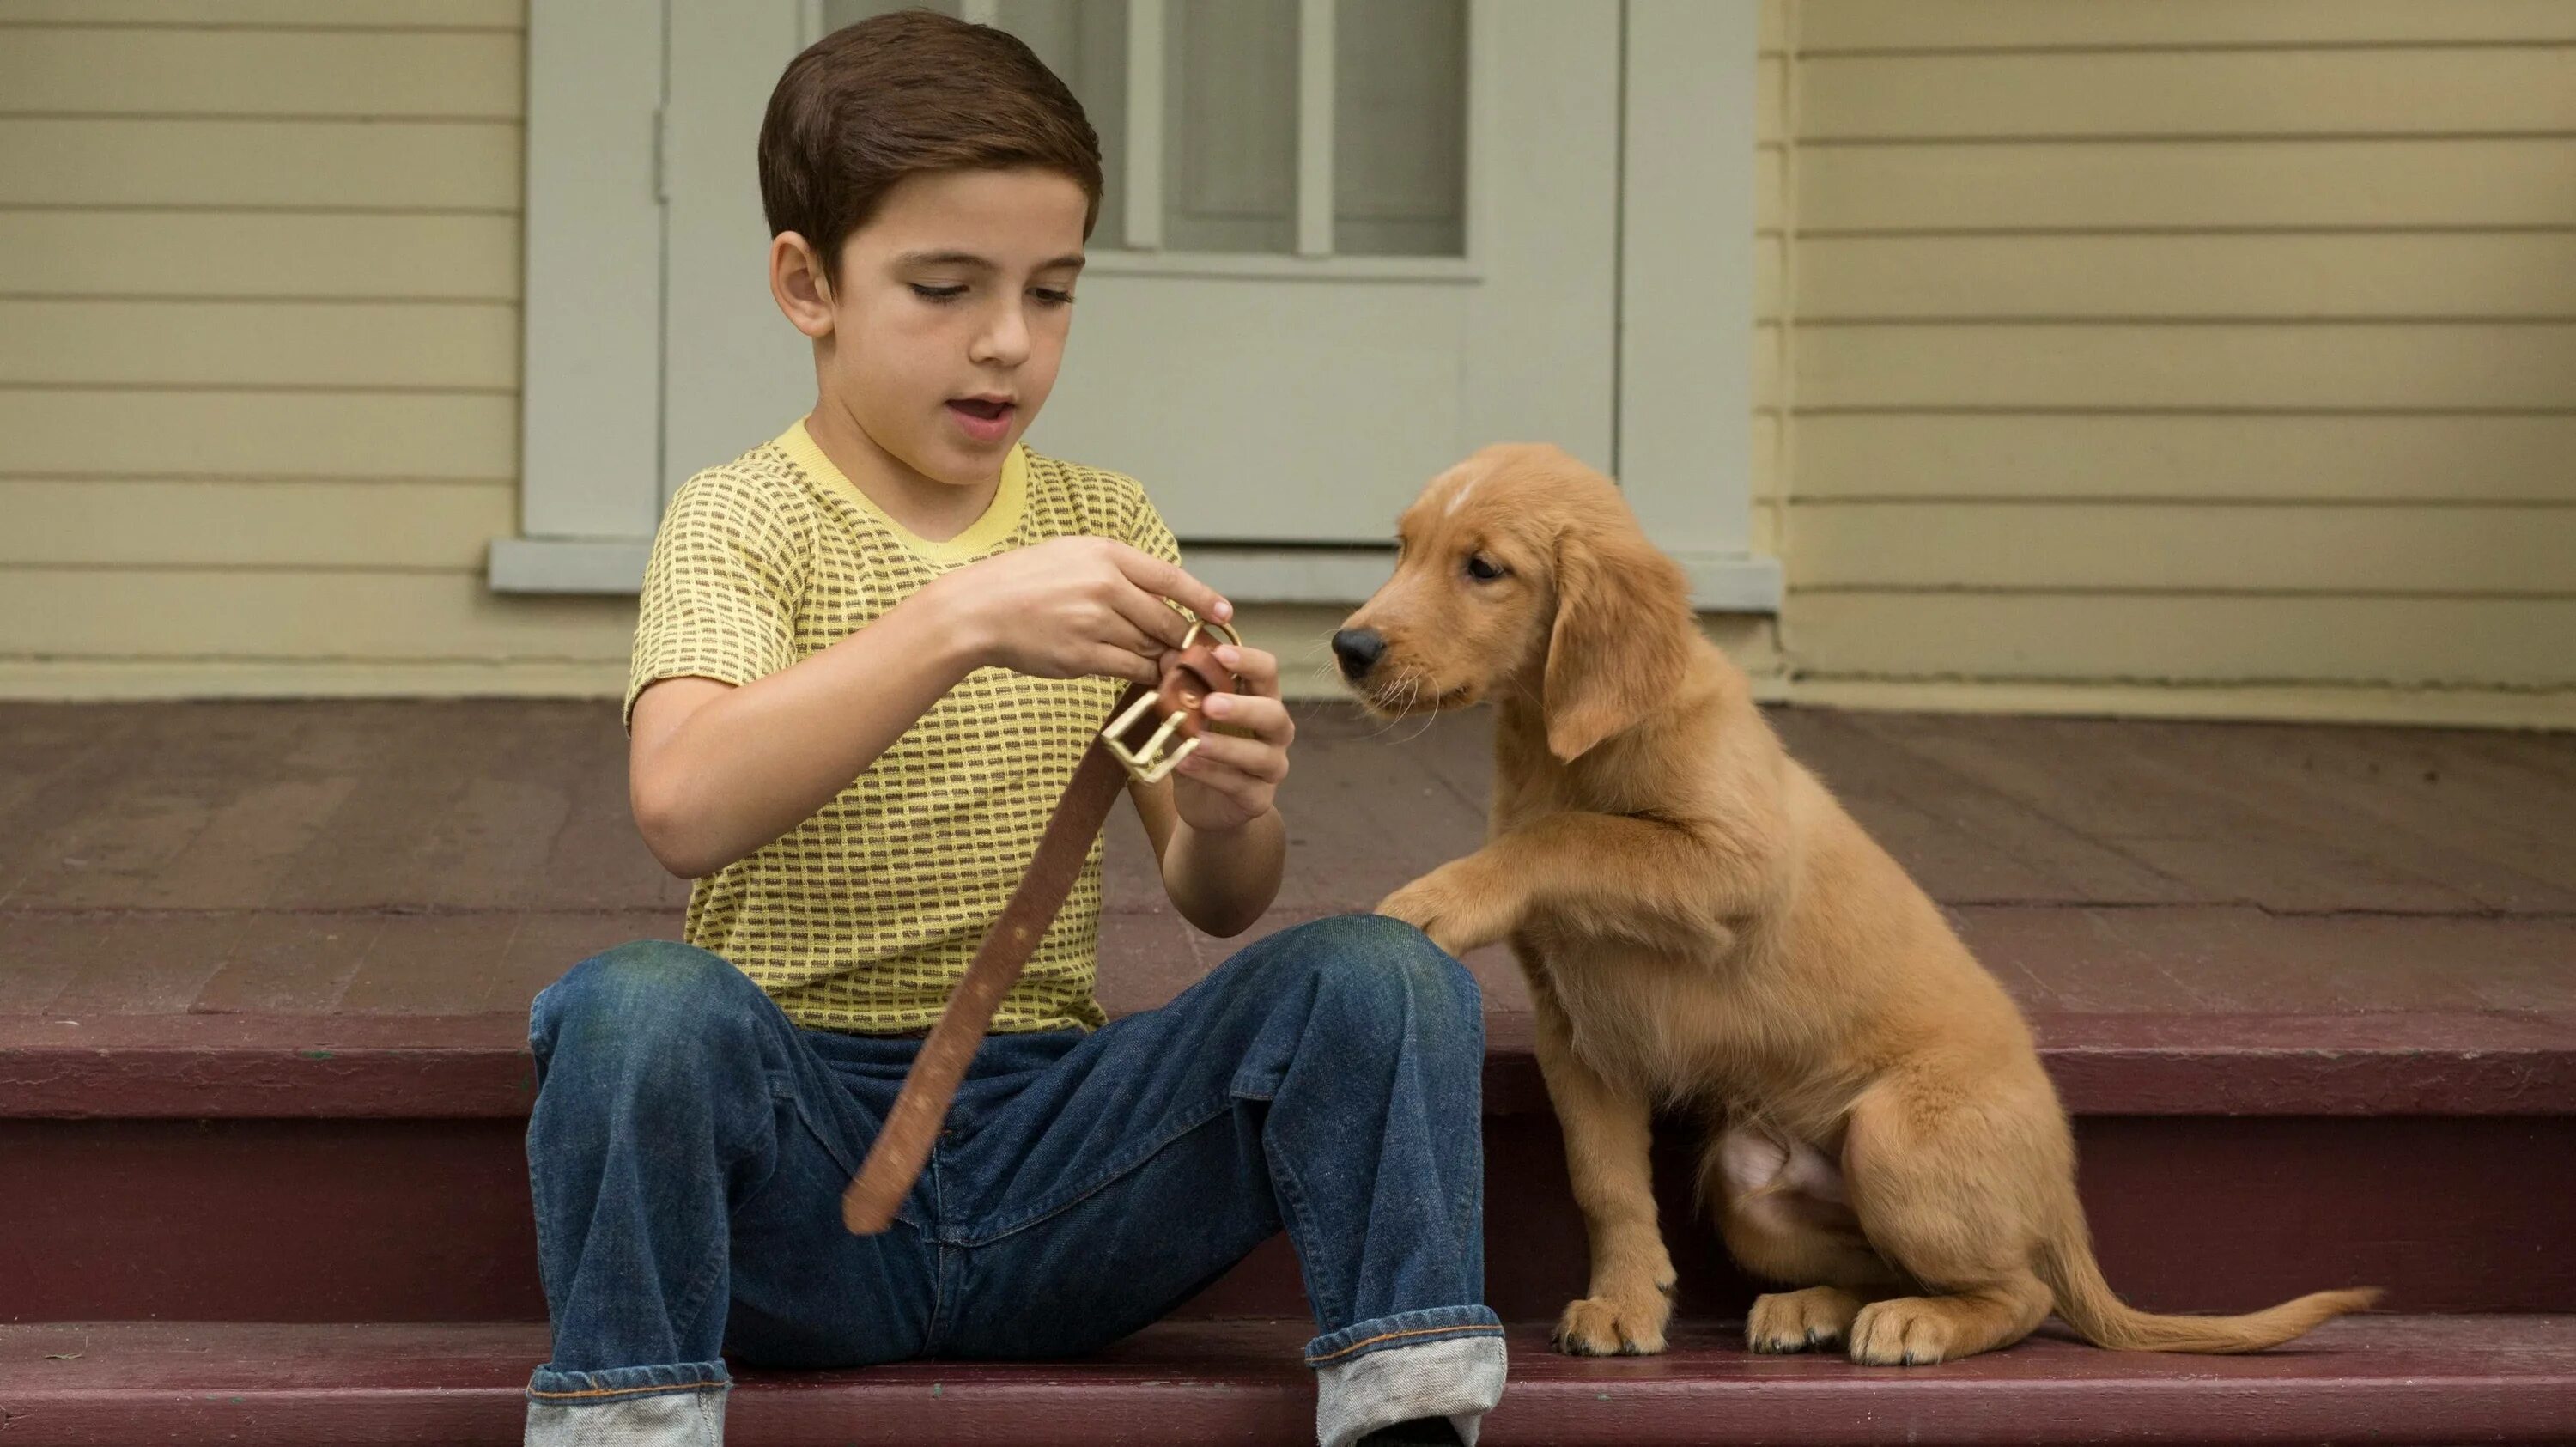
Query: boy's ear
(796, 283)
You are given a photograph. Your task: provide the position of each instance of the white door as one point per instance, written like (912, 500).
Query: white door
(1369, 237)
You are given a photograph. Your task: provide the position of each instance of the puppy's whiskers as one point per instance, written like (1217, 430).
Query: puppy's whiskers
(1410, 684)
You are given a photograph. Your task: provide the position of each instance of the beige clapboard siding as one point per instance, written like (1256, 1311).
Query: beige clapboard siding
(2170, 93)
(2158, 186)
(2184, 547)
(1770, 275)
(2379, 457)
(2210, 638)
(98, 432)
(239, 165)
(338, 14)
(1768, 366)
(1936, 25)
(1768, 520)
(259, 344)
(1770, 482)
(259, 254)
(2222, 346)
(357, 614)
(67, 522)
(259, 341)
(2219, 367)
(1770, 99)
(2297, 276)
(123, 70)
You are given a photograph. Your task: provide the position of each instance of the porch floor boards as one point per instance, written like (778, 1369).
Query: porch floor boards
(449, 858)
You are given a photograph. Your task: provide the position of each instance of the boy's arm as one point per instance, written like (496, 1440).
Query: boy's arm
(715, 771)
(1219, 879)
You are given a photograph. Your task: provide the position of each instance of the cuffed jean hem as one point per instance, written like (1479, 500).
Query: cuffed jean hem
(1404, 1329)
(681, 1405)
(1457, 1375)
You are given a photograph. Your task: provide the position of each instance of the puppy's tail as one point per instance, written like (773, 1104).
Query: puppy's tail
(2085, 1300)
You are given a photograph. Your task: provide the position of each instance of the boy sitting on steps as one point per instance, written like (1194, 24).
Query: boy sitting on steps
(869, 655)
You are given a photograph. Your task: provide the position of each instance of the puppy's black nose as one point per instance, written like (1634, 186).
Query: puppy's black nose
(1358, 649)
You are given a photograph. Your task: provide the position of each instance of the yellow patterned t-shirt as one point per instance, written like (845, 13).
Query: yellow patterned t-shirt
(863, 917)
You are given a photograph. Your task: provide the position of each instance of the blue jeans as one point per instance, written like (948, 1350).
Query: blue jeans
(690, 1144)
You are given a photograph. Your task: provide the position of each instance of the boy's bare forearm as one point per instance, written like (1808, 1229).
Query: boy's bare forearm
(754, 761)
(1222, 881)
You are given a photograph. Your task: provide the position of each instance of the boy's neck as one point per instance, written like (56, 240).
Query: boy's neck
(924, 506)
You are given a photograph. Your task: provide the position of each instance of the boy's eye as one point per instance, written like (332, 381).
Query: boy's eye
(1483, 569)
(1052, 297)
(937, 293)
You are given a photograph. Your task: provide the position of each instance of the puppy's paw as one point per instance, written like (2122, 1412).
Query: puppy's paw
(1911, 1331)
(1793, 1321)
(1601, 1326)
(1451, 906)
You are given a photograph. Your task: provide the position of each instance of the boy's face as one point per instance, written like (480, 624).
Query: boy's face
(950, 316)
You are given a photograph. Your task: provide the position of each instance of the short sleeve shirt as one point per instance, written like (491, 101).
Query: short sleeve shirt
(863, 916)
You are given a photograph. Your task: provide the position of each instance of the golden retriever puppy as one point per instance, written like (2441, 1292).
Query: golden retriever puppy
(1703, 927)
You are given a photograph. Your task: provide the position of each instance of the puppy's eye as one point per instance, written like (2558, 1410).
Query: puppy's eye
(1483, 569)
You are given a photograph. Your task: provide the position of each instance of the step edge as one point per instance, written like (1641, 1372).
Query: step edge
(1843, 1410)
(477, 1067)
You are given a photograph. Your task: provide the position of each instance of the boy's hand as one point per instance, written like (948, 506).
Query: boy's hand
(1230, 779)
(1077, 606)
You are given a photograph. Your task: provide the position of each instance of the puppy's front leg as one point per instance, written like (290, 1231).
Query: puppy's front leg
(1665, 886)
(1607, 1132)
(1464, 904)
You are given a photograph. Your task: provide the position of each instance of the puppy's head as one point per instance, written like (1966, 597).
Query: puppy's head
(1521, 574)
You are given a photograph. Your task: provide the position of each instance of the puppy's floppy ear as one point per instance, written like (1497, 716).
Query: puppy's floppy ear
(1621, 638)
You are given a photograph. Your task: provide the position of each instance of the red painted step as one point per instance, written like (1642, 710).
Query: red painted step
(373, 1169)
(2378, 1379)
(306, 1066)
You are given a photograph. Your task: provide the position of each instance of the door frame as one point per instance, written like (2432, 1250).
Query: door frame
(591, 384)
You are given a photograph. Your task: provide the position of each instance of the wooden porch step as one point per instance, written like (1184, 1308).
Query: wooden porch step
(415, 1067)
(2376, 1379)
(372, 1168)
(2307, 990)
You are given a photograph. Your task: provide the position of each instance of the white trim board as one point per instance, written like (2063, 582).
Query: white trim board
(590, 395)
(1687, 277)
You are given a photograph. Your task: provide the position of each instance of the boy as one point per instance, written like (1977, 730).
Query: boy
(869, 655)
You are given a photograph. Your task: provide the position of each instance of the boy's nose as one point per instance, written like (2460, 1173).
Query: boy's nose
(1358, 650)
(1005, 340)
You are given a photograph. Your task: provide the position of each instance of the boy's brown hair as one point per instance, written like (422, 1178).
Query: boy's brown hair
(902, 94)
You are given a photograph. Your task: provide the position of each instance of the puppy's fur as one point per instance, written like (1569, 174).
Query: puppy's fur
(1702, 926)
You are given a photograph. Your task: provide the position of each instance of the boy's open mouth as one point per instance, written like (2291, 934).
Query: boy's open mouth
(985, 419)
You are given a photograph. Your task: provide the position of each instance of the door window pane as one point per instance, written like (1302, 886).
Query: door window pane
(1229, 122)
(1400, 127)
(1230, 126)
